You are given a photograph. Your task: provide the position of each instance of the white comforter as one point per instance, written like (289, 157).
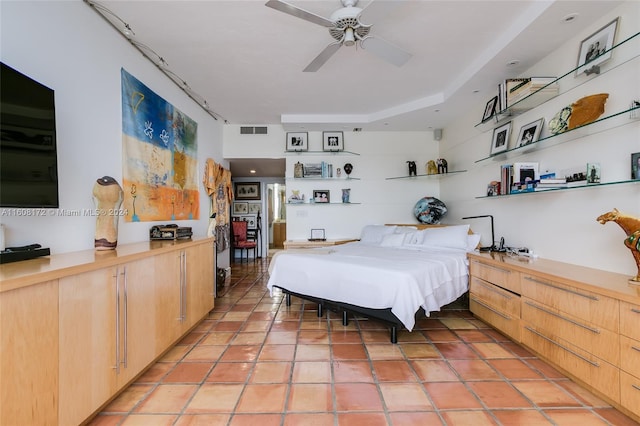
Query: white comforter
(375, 277)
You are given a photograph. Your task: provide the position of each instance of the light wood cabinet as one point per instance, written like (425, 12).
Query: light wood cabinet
(29, 355)
(630, 356)
(199, 281)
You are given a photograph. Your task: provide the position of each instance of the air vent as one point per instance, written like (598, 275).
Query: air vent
(250, 130)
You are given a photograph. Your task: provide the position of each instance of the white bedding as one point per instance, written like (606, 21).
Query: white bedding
(401, 278)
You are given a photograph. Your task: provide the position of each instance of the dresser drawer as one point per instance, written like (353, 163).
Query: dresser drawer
(594, 308)
(630, 320)
(495, 296)
(591, 370)
(503, 322)
(592, 338)
(630, 355)
(630, 392)
(497, 275)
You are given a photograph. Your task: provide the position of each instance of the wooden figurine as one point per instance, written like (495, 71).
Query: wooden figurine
(631, 227)
(443, 167)
(431, 168)
(412, 168)
(108, 194)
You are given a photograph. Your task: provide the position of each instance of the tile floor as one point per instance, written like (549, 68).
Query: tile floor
(255, 361)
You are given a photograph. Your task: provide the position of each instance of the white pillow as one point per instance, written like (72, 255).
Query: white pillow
(372, 234)
(447, 236)
(472, 241)
(392, 240)
(413, 238)
(405, 229)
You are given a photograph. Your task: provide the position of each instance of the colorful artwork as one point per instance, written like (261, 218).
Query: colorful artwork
(160, 156)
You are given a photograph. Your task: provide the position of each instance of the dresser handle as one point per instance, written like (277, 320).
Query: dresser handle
(635, 311)
(560, 288)
(492, 267)
(595, 364)
(593, 330)
(491, 287)
(636, 387)
(635, 348)
(491, 309)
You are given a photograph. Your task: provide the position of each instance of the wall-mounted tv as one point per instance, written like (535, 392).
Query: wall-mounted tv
(28, 158)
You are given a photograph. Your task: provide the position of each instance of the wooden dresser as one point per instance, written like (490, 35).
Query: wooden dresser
(583, 321)
(77, 328)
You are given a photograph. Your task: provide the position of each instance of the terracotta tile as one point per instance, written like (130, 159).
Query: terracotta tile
(405, 336)
(405, 397)
(521, 417)
(106, 420)
(167, 399)
(348, 351)
(352, 372)
(514, 369)
(271, 372)
(441, 335)
(457, 324)
(188, 372)
(393, 371)
(474, 369)
(345, 337)
(149, 419)
(235, 316)
(277, 353)
(218, 338)
(175, 354)
(473, 336)
(545, 394)
(256, 419)
(313, 353)
(456, 350)
(249, 338)
(580, 417)
(203, 420)
(281, 337)
(434, 371)
(415, 419)
(491, 350)
(517, 349)
(304, 419)
(240, 353)
(128, 399)
(192, 338)
(226, 326)
(429, 323)
(242, 307)
(215, 398)
(362, 419)
(156, 372)
(282, 326)
(384, 351)
(451, 395)
(336, 325)
(310, 398)
(366, 324)
(375, 336)
(230, 372)
(311, 372)
(357, 397)
(318, 324)
(467, 418)
(313, 337)
(263, 398)
(581, 394)
(615, 417)
(205, 353)
(499, 395)
(414, 351)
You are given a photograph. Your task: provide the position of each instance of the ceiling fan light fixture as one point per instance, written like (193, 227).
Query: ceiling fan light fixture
(349, 38)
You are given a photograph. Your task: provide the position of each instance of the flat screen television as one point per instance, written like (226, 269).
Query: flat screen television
(28, 155)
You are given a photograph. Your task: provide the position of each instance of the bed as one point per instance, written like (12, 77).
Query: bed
(391, 274)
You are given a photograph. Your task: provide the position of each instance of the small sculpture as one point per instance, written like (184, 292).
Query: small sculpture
(412, 168)
(631, 227)
(443, 167)
(338, 172)
(108, 194)
(298, 170)
(347, 168)
(431, 168)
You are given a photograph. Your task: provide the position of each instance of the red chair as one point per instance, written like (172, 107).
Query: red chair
(240, 240)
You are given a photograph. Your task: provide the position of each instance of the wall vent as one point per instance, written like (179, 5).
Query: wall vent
(251, 130)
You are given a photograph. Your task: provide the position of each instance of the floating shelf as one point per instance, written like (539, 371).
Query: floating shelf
(546, 190)
(432, 176)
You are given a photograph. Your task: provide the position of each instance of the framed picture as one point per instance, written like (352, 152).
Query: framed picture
(320, 195)
(500, 140)
(317, 235)
(332, 141)
(312, 170)
(530, 133)
(297, 141)
(490, 109)
(593, 173)
(240, 208)
(635, 165)
(596, 49)
(250, 219)
(254, 208)
(247, 190)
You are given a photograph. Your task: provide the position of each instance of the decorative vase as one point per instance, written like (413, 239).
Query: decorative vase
(345, 194)
(347, 168)
(108, 197)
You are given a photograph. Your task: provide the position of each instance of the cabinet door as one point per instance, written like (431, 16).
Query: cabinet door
(29, 355)
(88, 343)
(199, 267)
(168, 313)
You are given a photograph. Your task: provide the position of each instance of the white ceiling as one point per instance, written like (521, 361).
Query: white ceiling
(246, 59)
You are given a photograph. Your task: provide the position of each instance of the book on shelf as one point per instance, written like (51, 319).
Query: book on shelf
(523, 172)
(523, 89)
(506, 178)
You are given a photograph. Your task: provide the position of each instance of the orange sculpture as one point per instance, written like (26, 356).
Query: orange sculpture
(631, 226)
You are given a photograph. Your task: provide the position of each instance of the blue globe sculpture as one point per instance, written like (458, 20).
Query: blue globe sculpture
(429, 210)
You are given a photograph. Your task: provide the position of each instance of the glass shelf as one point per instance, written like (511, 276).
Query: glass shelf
(614, 120)
(320, 153)
(306, 203)
(432, 176)
(541, 96)
(341, 179)
(547, 190)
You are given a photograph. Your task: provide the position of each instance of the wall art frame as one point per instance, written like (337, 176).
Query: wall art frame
(251, 220)
(635, 165)
(240, 208)
(596, 49)
(297, 141)
(500, 140)
(247, 190)
(490, 109)
(530, 133)
(321, 196)
(333, 141)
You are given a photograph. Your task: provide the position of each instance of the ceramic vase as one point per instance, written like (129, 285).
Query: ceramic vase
(346, 192)
(108, 196)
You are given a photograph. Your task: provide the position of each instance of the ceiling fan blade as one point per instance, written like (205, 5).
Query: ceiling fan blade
(299, 13)
(385, 50)
(378, 10)
(323, 57)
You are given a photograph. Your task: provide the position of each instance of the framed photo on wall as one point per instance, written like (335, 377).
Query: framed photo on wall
(596, 49)
(332, 141)
(250, 219)
(247, 190)
(297, 141)
(240, 208)
(500, 141)
(321, 196)
(635, 166)
(530, 133)
(490, 109)
(254, 208)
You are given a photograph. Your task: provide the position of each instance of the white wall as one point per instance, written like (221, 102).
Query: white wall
(70, 48)
(560, 225)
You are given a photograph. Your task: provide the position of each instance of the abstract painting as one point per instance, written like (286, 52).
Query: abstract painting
(160, 156)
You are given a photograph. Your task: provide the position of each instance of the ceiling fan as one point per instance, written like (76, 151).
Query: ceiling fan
(346, 26)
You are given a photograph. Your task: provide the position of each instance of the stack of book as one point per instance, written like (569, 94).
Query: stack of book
(513, 90)
(551, 183)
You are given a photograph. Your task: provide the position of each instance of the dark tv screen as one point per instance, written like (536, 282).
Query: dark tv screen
(28, 159)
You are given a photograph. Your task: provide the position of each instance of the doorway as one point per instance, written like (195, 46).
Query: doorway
(276, 215)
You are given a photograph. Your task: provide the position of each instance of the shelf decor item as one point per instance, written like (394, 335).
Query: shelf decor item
(297, 141)
(583, 111)
(490, 108)
(346, 192)
(429, 210)
(321, 196)
(108, 195)
(635, 165)
(298, 170)
(500, 141)
(593, 173)
(631, 227)
(348, 168)
(332, 141)
(596, 49)
(530, 133)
